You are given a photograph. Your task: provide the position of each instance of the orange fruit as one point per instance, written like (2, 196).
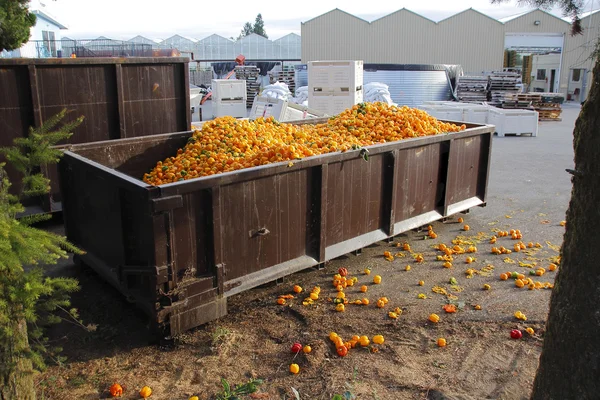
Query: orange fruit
(441, 342)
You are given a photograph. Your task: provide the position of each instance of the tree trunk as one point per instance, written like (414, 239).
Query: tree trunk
(570, 362)
(16, 382)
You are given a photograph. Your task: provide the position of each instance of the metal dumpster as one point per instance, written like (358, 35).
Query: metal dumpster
(179, 250)
(119, 97)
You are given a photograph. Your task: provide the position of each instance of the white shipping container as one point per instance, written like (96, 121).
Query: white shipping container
(228, 89)
(516, 122)
(334, 103)
(281, 110)
(335, 75)
(234, 108)
(448, 113)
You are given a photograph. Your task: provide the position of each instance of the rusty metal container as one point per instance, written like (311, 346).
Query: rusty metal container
(119, 97)
(180, 249)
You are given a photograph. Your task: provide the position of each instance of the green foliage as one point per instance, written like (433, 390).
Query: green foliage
(28, 154)
(26, 295)
(15, 23)
(258, 27)
(234, 393)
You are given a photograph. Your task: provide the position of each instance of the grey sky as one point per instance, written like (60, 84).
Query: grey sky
(123, 19)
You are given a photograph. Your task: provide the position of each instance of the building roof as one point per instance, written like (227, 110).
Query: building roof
(47, 17)
(501, 20)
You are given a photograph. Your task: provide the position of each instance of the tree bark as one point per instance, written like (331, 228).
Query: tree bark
(16, 383)
(570, 362)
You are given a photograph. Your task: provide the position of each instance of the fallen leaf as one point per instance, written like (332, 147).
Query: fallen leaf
(541, 215)
(509, 260)
(553, 246)
(507, 216)
(544, 221)
(439, 290)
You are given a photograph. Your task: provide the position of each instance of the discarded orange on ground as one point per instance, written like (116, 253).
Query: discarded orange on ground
(421, 283)
(342, 351)
(466, 227)
(552, 267)
(364, 341)
(378, 339)
(307, 349)
(343, 271)
(340, 307)
(460, 220)
(503, 277)
(419, 258)
(116, 390)
(449, 308)
(280, 301)
(294, 368)
(366, 271)
(407, 268)
(377, 279)
(380, 303)
(434, 318)
(364, 288)
(447, 264)
(441, 342)
(297, 289)
(486, 287)
(145, 392)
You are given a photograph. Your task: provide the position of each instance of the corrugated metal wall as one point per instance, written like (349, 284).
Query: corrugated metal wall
(471, 39)
(405, 38)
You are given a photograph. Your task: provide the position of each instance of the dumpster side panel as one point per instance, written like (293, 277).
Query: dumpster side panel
(467, 172)
(154, 99)
(264, 222)
(354, 198)
(87, 90)
(420, 183)
(16, 112)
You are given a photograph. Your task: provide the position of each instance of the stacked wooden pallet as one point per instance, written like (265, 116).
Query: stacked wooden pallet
(251, 74)
(549, 106)
(472, 89)
(287, 76)
(503, 84)
(521, 101)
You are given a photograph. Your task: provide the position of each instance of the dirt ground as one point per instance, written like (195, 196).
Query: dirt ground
(480, 361)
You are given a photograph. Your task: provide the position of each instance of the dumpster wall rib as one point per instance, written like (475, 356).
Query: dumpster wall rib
(187, 246)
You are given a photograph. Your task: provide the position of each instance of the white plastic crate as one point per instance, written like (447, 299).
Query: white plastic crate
(234, 108)
(334, 76)
(333, 103)
(516, 122)
(228, 89)
(447, 113)
(281, 110)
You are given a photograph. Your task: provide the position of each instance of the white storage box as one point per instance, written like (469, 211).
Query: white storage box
(228, 89)
(447, 113)
(473, 113)
(333, 76)
(234, 108)
(281, 110)
(516, 122)
(333, 103)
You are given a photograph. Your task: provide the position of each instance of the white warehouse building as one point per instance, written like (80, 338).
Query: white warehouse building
(470, 39)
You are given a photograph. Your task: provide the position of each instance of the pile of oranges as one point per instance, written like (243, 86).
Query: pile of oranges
(227, 144)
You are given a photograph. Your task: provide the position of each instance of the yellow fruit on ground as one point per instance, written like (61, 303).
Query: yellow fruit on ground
(441, 342)
(332, 335)
(340, 307)
(145, 392)
(434, 318)
(365, 301)
(486, 287)
(378, 339)
(377, 279)
(367, 271)
(552, 267)
(294, 368)
(530, 331)
(460, 220)
(466, 227)
(519, 283)
(447, 264)
(364, 341)
(297, 288)
(421, 283)
(380, 303)
(314, 296)
(407, 268)
(392, 315)
(477, 307)
(340, 295)
(307, 349)
(364, 288)
(503, 277)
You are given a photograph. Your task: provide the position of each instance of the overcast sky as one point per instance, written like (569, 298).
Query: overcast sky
(123, 19)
